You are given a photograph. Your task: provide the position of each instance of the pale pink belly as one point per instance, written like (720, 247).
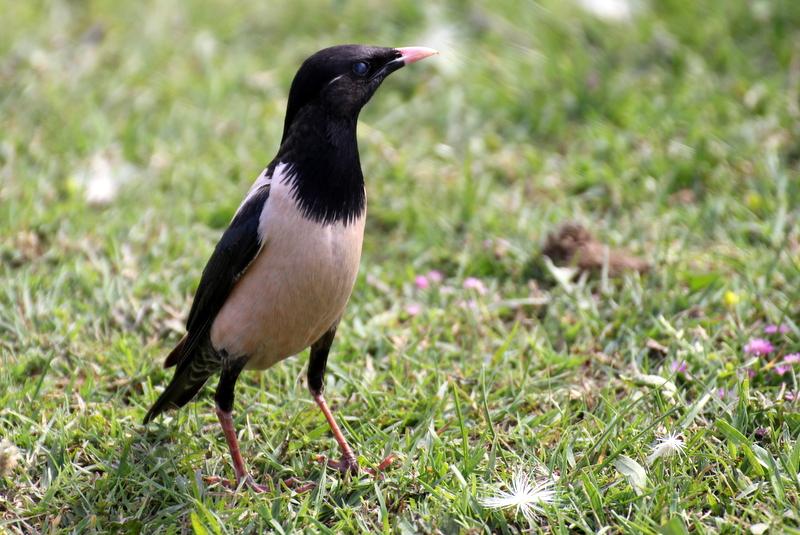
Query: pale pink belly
(294, 291)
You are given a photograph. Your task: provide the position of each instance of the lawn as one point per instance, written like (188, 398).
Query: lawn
(656, 402)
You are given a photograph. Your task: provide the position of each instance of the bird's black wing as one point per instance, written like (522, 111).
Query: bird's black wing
(236, 250)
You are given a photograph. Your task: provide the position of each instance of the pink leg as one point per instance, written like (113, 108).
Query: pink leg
(239, 470)
(348, 462)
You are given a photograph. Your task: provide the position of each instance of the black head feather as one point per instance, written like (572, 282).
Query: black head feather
(332, 81)
(319, 135)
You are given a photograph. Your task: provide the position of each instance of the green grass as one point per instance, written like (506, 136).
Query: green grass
(673, 135)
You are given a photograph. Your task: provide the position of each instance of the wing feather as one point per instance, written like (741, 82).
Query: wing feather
(236, 250)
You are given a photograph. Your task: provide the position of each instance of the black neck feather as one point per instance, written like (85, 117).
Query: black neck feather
(322, 153)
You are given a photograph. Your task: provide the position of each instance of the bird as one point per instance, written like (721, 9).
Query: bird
(282, 273)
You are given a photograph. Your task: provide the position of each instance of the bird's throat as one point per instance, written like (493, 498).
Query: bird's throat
(326, 176)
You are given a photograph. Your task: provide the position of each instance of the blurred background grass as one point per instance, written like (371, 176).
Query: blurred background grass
(131, 130)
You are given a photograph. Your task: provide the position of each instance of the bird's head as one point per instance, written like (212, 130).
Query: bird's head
(340, 80)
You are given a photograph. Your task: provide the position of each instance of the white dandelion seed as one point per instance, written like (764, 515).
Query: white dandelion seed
(668, 446)
(525, 495)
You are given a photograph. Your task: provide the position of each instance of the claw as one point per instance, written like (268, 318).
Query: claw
(385, 463)
(348, 465)
(248, 482)
(295, 484)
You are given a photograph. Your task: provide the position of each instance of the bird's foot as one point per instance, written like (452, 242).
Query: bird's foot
(246, 481)
(298, 485)
(346, 465)
(349, 465)
(384, 464)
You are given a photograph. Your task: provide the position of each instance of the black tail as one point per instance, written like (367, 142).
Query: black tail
(192, 373)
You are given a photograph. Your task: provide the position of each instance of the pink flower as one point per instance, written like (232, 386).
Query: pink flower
(471, 283)
(790, 395)
(421, 282)
(446, 290)
(721, 392)
(781, 369)
(792, 358)
(772, 329)
(435, 277)
(751, 373)
(758, 346)
(679, 368)
(413, 309)
(467, 304)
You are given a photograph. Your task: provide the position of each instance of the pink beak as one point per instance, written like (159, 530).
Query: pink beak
(410, 54)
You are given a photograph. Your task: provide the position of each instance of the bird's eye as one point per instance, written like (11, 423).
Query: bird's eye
(361, 68)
